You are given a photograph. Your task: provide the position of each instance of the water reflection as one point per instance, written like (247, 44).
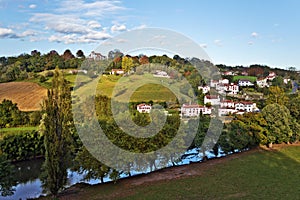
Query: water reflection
(28, 185)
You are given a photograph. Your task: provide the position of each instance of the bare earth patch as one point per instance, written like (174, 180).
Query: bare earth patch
(28, 96)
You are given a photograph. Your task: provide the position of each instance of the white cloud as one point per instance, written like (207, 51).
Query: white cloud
(97, 8)
(250, 43)
(94, 24)
(6, 32)
(218, 43)
(32, 6)
(254, 34)
(118, 28)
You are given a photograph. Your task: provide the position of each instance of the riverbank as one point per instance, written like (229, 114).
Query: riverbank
(258, 173)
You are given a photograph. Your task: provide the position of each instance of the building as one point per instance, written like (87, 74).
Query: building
(262, 82)
(212, 99)
(231, 88)
(194, 110)
(246, 106)
(117, 71)
(161, 74)
(96, 56)
(245, 83)
(205, 89)
(144, 108)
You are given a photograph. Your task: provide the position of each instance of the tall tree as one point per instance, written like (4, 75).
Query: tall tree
(57, 126)
(277, 95)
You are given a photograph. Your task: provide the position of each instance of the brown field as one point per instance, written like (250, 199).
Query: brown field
(28, 96)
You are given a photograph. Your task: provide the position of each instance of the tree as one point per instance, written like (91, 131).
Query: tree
(279, 123)
(278, 81)
(67, 55)
(127, 63)
(57, 126)
(7, 179)
(277, 95)
(80, 54)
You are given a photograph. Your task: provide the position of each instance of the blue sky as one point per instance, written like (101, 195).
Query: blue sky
(233, 32)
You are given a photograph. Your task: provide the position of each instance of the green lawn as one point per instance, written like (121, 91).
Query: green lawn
(250, 78)
(151, 88)
(257, 175)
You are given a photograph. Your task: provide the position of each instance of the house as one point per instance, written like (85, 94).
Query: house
(117, 71)
(231, 88)
(75, 71)
(227, 104)
(144, 108)
(271, 76)
(224, 81)
(245, 83)
(213, 83)
(194, 110)
(262, 82)
(96, 56)
(212, 99)
(286, 80)
(161, 74)
(246, 106)
(228, 73)
(205, 89)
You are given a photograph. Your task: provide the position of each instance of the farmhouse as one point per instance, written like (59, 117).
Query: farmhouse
(96, 56)
(194, 110)
(144, 108)
(212, 99)
(205, 89)
(161, 74)
(245, 83)
(117, 71)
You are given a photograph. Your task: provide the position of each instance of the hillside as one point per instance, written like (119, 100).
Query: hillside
(28, 96)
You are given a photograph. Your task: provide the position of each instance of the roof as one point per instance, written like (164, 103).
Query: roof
(212, 97)
(143, 104)
(192, 106)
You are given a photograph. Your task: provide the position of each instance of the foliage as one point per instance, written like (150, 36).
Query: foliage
(57, 127)
(22, 145)
(277, 95)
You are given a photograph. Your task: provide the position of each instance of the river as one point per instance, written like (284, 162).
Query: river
(29, 185)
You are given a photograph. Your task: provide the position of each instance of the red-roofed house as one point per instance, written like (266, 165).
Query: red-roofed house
(144, 108)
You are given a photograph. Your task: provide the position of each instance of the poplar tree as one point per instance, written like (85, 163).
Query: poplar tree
(57, 126)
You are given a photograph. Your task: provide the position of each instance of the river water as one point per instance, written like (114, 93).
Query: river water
(29, 185)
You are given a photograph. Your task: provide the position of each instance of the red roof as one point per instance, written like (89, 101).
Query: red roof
(211, 96)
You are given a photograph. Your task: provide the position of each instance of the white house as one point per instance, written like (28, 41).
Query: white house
(96, 56)
(161, 74)
(246, 106)
(224, 81)
(205, 89)
(213, 83)
(271, 76)
(144, 108)
(231, 88)
(263, 82)
(212, 99)
(245, 83)
(194, 110)
(117, 71)
(286, 80)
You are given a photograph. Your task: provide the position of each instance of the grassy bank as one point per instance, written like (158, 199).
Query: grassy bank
(257, 174)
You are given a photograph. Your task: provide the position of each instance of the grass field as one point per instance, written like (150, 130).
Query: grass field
(136, 87)
(250, 78)
(257, 174)
(27, 95)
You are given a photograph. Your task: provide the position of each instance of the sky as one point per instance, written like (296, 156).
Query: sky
(231, 32)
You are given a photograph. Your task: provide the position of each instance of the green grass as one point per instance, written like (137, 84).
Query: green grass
(255, 175)
(263, 175)
(250, 78)
(6, 131)
(150, 88)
